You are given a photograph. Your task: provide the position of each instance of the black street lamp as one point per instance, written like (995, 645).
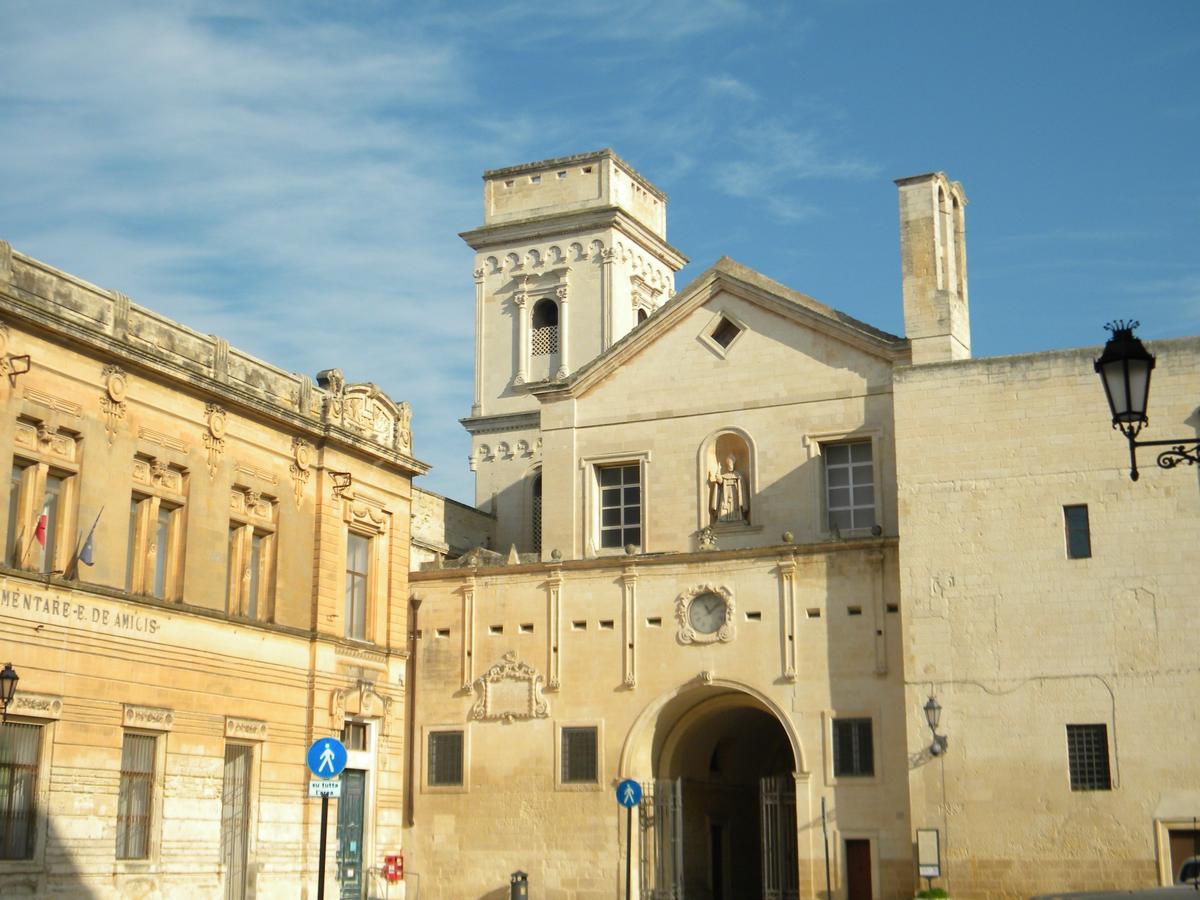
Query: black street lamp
(8, 687)
(933, 715)
(1124, 369)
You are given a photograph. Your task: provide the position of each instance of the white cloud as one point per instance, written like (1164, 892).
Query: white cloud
(728, 86)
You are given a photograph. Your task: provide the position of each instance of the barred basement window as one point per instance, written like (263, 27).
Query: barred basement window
(579, 756)
(135, 798)
(445, 758)
(1087, 757)
(545, 328)
(853, 747)
(20, 749)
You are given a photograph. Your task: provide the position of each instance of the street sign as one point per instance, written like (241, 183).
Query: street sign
(629, 793)
(325, 787)
(326, 757)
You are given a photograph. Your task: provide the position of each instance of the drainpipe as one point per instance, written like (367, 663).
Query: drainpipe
(410, 703)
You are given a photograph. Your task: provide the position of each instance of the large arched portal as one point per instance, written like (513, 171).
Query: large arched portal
(719, 821)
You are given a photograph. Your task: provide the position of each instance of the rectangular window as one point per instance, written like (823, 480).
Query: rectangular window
(20, 750)
(155, 558)
(358, 549)
(135, 798)
(1087, 757)
(579, 756)
(620, 505)
(235, 817)
(849, 485)
(250, 578)
(17, 539)
(1079, 535)
(853, 747)
(36, 490)
(445, 758)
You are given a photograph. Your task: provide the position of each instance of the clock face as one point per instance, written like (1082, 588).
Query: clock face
(706, 613)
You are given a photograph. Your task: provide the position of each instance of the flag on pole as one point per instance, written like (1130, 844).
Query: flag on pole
(85, 553)
(39, 532)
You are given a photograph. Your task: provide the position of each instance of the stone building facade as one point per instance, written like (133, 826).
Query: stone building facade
(249, 533)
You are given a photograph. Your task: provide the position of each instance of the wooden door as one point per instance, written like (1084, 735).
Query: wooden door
(858, 869)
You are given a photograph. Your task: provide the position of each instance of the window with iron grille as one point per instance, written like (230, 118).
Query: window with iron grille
(545, 328)
(445, 758)
(536, 517)
(20, 749)
(235, 818)
(620, 505)
(1079, 535)
(1087, 757)
(849, 485)
(579, 756)
(134, 801)
(853, 747)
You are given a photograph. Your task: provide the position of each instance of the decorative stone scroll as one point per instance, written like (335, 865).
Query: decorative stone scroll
(245, 729)
(509, 690)
(214, 436)
(112, 401)
(36, 706)
(150, 717)
(301, 466)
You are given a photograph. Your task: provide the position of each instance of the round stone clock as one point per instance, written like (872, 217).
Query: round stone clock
(705, 614)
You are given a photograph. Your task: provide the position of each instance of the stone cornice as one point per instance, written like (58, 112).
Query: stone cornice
(98, 323)
(649, 560)
(574, 159)
(503, 422)
(558, 224)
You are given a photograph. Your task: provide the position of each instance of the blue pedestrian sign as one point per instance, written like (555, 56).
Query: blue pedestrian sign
(629, 793)
(326, 757)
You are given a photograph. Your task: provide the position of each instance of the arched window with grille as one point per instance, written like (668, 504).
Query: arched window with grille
(545, 328)
(535, 519)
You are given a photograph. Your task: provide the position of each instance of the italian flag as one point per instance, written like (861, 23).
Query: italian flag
(40, 531)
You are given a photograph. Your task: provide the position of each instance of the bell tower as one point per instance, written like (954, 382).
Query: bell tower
(933, 260)
(571, 256)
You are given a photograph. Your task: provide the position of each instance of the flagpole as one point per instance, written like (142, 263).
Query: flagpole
(73, 569)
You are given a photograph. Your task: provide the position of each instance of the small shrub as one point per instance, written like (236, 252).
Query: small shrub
(932, 894)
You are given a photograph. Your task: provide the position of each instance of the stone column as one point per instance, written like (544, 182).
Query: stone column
(564, 366)
(607, 257)
(521, 299)
(787, 583)
(629, 579)
(477, 406)
(468, 633)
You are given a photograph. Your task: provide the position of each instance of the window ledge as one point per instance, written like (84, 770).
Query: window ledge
(577, 786)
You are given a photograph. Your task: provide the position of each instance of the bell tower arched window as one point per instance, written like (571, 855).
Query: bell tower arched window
(536, 517)
(545, 328)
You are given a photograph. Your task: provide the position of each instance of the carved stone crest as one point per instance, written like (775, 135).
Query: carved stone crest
(301, 466)
(148, 717)
(214, 436)
(509, 690)
(39, 706)
(112, 401)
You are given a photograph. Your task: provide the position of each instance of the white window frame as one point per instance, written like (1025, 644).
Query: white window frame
(815, 443)
(589, 467)
(601, 767)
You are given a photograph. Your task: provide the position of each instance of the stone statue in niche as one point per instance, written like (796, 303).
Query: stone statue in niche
(728, 502)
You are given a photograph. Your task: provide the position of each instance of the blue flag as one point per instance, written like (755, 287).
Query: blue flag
(89, 547)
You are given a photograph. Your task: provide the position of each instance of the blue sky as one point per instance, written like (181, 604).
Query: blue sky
(293, 176)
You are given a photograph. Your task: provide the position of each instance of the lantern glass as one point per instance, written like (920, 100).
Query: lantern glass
(1124, 368)
(8, 683)
(933, 713)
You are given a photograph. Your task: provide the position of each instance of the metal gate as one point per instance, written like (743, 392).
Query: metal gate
(350, 833)
(660, 818)
(235, 818)
(777, 828)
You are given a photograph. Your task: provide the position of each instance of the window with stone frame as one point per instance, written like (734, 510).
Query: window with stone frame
(157, 523)
(535, 518)
(1087, 757)
(578, 755)
(42, 499)
(445, 764)
(853, 748)
(358, 582)
(620, 505)
(20, 759)
(544, 339)
(849, 485)
(250, 580)
(135, 796)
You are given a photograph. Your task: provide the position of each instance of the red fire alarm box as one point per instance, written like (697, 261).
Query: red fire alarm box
(393, 867)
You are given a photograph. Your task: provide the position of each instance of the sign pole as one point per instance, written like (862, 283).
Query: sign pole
(321, 859)
(628, 852)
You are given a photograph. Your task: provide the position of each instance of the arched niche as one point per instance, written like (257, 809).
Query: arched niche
(727, 480)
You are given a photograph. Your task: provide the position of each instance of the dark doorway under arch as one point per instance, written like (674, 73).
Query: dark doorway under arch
(725, 794)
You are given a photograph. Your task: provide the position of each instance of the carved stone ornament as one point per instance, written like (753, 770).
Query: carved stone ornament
(509, 690)
(404, 427)
(37, 706)
(705, 615)
(112, 401)
(301, 466)
(151, 717)
(245, 729)
(214, 436)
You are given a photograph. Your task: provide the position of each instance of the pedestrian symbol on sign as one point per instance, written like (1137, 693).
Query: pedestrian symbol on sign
(629, 793)
(326, 760)
(326, 757)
